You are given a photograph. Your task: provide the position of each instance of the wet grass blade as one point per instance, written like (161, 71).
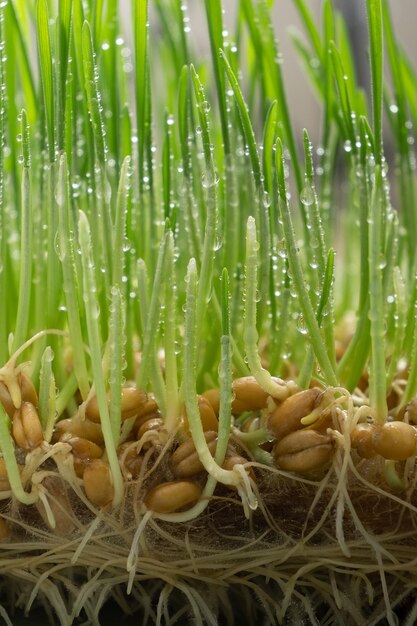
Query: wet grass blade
(25, 278)
(215, 26)
(374, 11)
(47, 394)
(210, 182)
(298, 278)
(93, 95)
(325, 299)
(123, 195)
(310, 26)
(26, 70)
(45, 61)
(346, 112)
(140, 19)
(377, 379)
(64, 30)
(117, 340)
(249, 135)
(70, 279)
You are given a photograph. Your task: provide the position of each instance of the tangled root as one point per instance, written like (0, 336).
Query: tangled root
(339, 549)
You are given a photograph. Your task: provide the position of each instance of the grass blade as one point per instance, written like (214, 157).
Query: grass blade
(140, 20)
(45, 60)
(25, 278)
(298, 278)
(215, 25)
(374, 10)
(66, 256)
(64, 31)
(92, 313)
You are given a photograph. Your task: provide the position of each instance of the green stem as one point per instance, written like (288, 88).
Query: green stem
(298, 278)
(377, 381)
(92, 315)
(190, 394)
(250, 332)
(13, 473)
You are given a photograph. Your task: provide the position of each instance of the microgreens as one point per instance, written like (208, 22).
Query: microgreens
(84, 145)
(165, 230)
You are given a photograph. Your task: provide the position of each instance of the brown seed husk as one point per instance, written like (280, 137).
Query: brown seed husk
(172, 496)
(98, 483)
(185, 461)
(291, 534)
(286, 418)
(303, 451)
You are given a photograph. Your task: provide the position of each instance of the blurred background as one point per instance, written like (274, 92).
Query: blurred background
(304, 110)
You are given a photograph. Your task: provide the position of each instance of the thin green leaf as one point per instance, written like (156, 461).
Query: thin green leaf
(45, 59)
(374, 10)
(215, 25)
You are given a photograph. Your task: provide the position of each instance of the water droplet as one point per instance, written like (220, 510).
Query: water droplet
(347, 146)
(205, 106)
(266, 200)
(210, 179)
(307, 196)
(301, 325)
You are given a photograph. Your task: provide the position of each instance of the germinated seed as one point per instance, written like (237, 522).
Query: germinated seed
(83, 448)
(172, 496)
(139, 421)
(286, 418)
(27, 390)
(185, 461)
(208, 416)
(134, 402)
(249, 395)
(130, 460)
(83, 451)
(98, 483)
(79, 427)
(395, 440)
(303, 451)
(26, 427)
(361, 439)
(213, 397)
(154, 424)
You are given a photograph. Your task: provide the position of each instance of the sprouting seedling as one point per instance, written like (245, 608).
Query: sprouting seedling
(276, 389)
(92, 314)
(297, 275)
(22, 315)
(234, 477)
(47, 394)
(9, 371)
(8, 452)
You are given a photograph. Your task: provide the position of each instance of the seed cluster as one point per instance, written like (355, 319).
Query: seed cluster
(301, 436)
